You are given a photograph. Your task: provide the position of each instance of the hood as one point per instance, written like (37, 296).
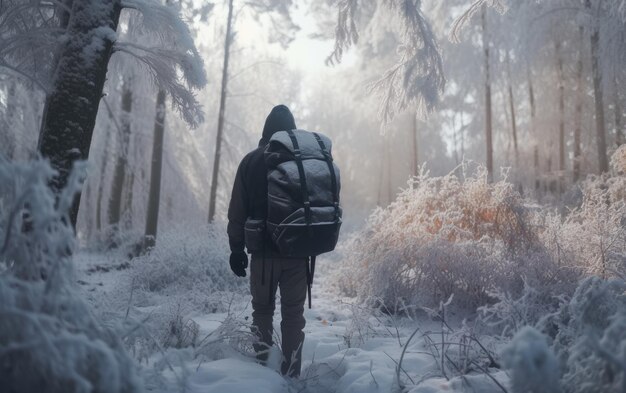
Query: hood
(279, 119)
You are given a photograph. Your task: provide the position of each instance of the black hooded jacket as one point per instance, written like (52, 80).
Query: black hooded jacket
(249, 196)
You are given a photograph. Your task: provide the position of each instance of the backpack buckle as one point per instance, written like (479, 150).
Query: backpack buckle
(297, 153)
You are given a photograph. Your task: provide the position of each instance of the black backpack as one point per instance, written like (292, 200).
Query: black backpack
(303, 212)
(303, 216)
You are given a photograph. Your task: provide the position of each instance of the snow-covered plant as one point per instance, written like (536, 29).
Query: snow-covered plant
(190, 265)
(461, 21)
(589, 341)
(593, 236)
(446, 235)
(49, 339)
(583, 348)
(531, 363)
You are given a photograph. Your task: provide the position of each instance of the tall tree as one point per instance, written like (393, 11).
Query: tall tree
(488, 108)
(154, 197)
(598, 92)
(72, 105)
(122, 152)
(561, 87)
(70, 65)
(512, 107)
(415, 143)
(618, 112)
(578, 113)
(220, 119)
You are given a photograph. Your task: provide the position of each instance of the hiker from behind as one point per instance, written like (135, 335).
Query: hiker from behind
(284, 210)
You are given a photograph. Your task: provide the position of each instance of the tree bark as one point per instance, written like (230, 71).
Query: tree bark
(578, 116)
(533, 117)
(617, 108)
(598, 93)
(488, 109)
(512, 108)
(415, 141)
(121, 162)
(71, 108)
(10, 140)
(220, 119)
(154, 198)
(561, 85)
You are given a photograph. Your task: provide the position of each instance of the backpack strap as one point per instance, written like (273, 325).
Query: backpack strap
(333, 176)
(303, 185)
(310, 271)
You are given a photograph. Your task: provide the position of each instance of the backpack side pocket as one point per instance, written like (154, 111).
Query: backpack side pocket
(254, 234)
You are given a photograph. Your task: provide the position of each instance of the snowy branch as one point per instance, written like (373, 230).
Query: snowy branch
(462, 21)
(417, 79)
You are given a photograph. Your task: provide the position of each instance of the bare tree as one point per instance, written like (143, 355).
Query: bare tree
(488, 109)
(122, 151)
(220, 119)
(154, 197)
(578, 113)
(512, 107)
(598, 92)
(561, 87)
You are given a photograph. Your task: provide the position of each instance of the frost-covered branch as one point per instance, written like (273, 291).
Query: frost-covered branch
(169, 53)
(164, 65)
(460, 23)
(417, 79)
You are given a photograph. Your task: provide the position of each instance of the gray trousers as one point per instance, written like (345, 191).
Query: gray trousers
(290, 275)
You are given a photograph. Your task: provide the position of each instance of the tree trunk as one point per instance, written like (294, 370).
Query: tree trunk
(561, 85)
(387, 164)
(70, 111)
(617, 107)
(415, 151)
(152, 214)
(533, 117)
(127, 205)
(598, 93)
(121, 162)
(103, 165)
(222, 110)
(512, 109)
(578, 116)
(11, 140)
(488, 110)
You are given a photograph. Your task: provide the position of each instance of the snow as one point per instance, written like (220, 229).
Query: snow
(339, 355)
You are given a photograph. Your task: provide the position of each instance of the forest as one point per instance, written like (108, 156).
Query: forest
(482, 149)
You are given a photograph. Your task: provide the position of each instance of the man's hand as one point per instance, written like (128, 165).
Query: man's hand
(239, 263)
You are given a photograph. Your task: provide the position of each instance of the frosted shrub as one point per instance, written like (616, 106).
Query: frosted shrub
(593, 236)
(590, 340)
(49, 339)
(190, 264)
(588, 344)
(532, 364)
(444, 236)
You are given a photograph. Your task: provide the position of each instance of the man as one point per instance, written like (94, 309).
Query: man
(268, 269)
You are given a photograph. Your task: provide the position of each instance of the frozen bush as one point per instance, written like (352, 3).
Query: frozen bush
(446, 235)
(531, 362)
(587, 330)
(593, 236)
(49, 339)
(588, 344)
(190, 264)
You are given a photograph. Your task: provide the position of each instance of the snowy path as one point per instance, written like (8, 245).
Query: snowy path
(346, 349)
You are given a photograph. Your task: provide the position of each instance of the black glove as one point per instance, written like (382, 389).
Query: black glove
(239, 263)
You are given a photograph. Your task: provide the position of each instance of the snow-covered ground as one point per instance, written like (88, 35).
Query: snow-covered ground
(347, 349)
